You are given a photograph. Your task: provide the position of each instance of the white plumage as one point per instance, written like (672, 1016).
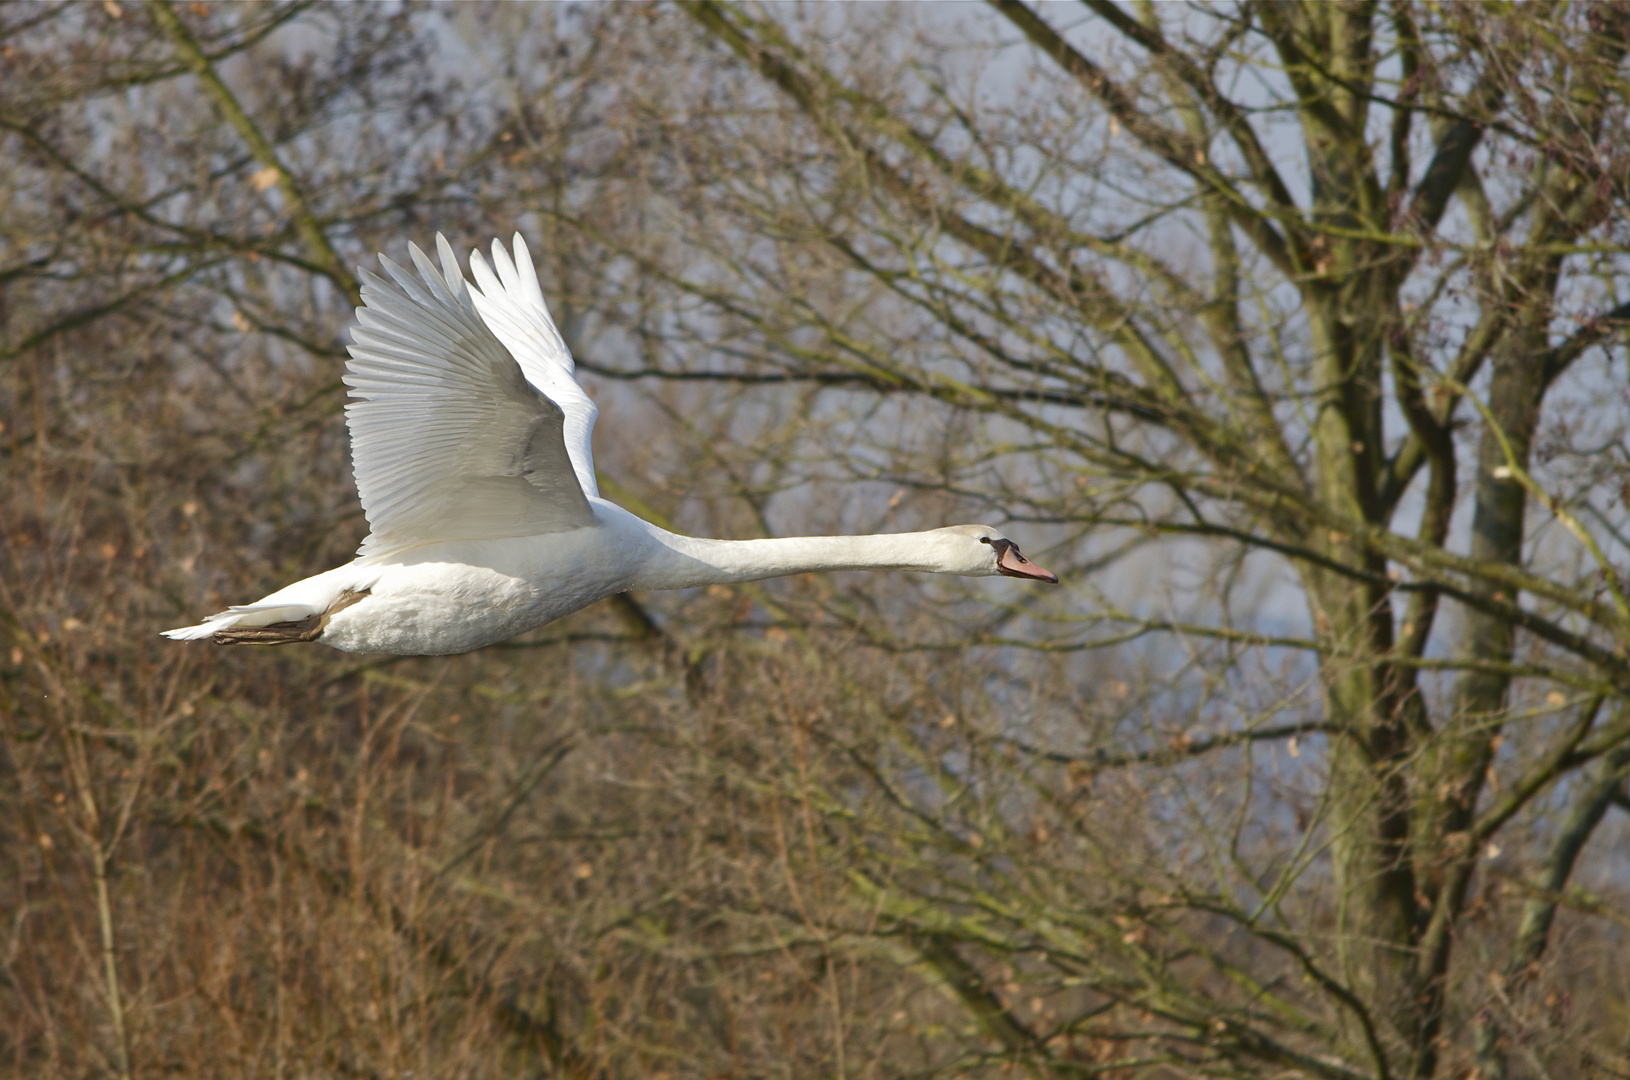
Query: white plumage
(470, 439)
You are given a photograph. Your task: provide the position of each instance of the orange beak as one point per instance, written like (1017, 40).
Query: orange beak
(1013, 564)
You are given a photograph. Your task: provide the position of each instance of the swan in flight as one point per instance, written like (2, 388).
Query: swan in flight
(470, 443)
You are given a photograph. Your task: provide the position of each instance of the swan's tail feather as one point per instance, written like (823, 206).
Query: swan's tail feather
(191, 633)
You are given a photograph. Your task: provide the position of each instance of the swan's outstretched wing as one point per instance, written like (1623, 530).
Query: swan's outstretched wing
(448, 439)
(512, 304)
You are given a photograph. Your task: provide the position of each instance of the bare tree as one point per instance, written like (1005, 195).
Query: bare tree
(1301, 280)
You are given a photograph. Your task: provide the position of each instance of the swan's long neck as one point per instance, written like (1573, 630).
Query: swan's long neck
(685, 562)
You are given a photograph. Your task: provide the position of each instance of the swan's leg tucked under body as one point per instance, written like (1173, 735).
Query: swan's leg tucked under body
(309, 628)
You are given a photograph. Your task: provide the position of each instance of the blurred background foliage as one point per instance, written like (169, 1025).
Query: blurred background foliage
(1292, 336)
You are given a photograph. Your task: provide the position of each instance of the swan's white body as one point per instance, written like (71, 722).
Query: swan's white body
(470, 442)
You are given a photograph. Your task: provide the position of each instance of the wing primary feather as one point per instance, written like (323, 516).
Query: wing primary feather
(438, 286)
(418, 319)
(506, 269)
(455, 280)
(416, 292)
(528, 274)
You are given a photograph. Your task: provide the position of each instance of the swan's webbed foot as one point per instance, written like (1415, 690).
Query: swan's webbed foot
(280, 633)
(309, 628)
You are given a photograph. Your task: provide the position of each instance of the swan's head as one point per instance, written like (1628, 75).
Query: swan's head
(981, 551)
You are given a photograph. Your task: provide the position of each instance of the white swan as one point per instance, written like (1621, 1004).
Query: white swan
(470, 442)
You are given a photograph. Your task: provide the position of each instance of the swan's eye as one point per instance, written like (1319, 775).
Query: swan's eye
(984, 539)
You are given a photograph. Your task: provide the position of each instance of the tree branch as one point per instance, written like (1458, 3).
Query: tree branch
(1173, 148)
(310, 230)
